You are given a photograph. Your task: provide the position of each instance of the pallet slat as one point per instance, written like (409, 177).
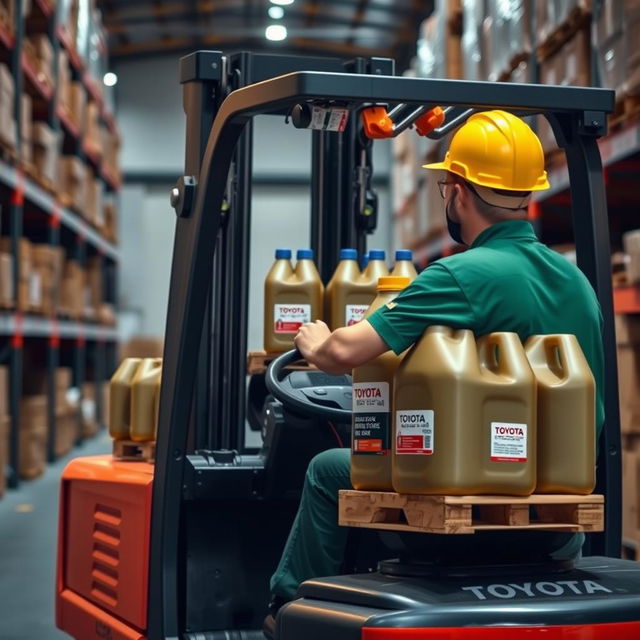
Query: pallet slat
(455, 514)
(128, 450)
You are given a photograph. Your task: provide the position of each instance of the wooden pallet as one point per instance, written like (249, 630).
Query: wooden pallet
(258, 361)
(578, 18)
(134, 451)
(468, 514)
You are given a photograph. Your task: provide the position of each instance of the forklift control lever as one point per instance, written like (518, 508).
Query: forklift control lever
(312, 393)
(378, 123)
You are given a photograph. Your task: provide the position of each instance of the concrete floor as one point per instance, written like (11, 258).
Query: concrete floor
(28, 532)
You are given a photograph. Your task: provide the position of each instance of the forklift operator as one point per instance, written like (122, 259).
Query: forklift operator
(506, 281)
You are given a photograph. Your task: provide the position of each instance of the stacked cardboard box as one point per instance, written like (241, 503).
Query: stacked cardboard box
(33, 436)
(550, 14)
(90, 424)
(8, 16)
(68, 16)
(39, 53)
(568, 65)
(94, 189)
(631, 243)
(7, 294)
(110, 222)
(48, 262)
(628, 341)
(45, 153)
(29, 286)
(93, 130)
(7, 119)
(72, 295)
(73, 182)
(94, 287)
(111, 148)
(26, 121)
(64, 82)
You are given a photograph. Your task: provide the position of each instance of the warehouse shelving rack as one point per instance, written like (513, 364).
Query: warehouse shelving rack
(83, 346)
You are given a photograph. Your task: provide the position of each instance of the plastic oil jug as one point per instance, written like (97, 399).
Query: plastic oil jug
(145, 387)
(566, 415)
(350, 292)
(120, 398)
(372, 411)
(404, 265)
(465, 416)
(292, 297)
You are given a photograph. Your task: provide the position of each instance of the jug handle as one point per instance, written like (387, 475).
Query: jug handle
(492, 345)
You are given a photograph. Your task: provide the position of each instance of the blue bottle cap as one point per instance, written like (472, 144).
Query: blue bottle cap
(376, 254)
(365, 260)
(404, 254)
(348, 254)
(283, 254)
(304, 254)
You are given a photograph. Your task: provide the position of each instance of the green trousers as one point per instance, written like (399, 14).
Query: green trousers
(316, 544)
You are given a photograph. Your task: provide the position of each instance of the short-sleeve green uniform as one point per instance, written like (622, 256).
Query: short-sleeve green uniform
(506, 281)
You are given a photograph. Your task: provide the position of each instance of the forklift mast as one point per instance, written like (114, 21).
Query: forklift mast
(203, 407)
(340, 191)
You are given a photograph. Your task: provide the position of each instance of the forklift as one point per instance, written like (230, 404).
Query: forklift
(183, 548)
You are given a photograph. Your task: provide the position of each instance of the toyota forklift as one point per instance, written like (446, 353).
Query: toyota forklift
(183, 548)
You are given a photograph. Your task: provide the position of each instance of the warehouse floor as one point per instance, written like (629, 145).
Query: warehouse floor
(28, 532)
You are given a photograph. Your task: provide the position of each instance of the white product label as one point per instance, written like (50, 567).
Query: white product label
(508, 442)
(35, 290)
(354, 313)
(371, 418)
(288, 318)
(329, 119)
(414, 432)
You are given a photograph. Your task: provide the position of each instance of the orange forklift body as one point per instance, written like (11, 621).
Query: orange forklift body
(103, 548)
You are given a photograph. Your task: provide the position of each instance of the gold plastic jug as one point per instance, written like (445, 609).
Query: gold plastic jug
(404, 265)
(465, 416)
(292, 297)
(120, 398)
(372, 410)
(350, 292)
(145, 387)
(566, 414)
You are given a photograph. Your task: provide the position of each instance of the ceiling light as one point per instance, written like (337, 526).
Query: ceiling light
(282, 3)
(110, 79)
(276, 12)
(275, 32)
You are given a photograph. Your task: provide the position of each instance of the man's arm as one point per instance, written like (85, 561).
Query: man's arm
(341, 351)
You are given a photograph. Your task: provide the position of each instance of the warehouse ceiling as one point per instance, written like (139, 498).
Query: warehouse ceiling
(345, 28)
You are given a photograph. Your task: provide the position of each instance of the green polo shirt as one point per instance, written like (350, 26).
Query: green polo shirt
(506, 281)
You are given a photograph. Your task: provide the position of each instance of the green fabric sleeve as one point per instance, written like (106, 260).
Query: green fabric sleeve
(433, 298)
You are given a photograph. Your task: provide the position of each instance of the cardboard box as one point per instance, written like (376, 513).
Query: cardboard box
(26, 120)
(7, 119)
(93, 132)
(73, 178)
(90, 424)
(77, 105)
(94, 193)
(628, 352)
(49, 261)
(7, 294)
(40, 54)
(26, 270)
(631, 244)
(67, 431)
(45, 152)
(142, 347)
(110, 222)
(33, 436)
(630, 495)
(73, 290)
(64, 81)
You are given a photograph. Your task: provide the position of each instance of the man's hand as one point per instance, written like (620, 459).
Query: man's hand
(340, 351)
(309, 337)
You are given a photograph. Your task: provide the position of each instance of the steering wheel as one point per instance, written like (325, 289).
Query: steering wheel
(312, 393)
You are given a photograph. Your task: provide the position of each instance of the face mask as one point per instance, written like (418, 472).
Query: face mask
(454, 228)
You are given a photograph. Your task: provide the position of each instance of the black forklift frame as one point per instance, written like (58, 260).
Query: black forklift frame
(578, 117)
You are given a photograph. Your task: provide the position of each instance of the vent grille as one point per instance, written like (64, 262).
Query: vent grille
(106, 554)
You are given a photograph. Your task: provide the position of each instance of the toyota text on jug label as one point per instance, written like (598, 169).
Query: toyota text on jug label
(537, 589)
(288, 318)
(414, 432)
(371, 418)
(354, 313)
(508, 442)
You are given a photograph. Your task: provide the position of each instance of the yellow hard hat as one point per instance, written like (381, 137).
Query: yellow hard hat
(498, 150)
